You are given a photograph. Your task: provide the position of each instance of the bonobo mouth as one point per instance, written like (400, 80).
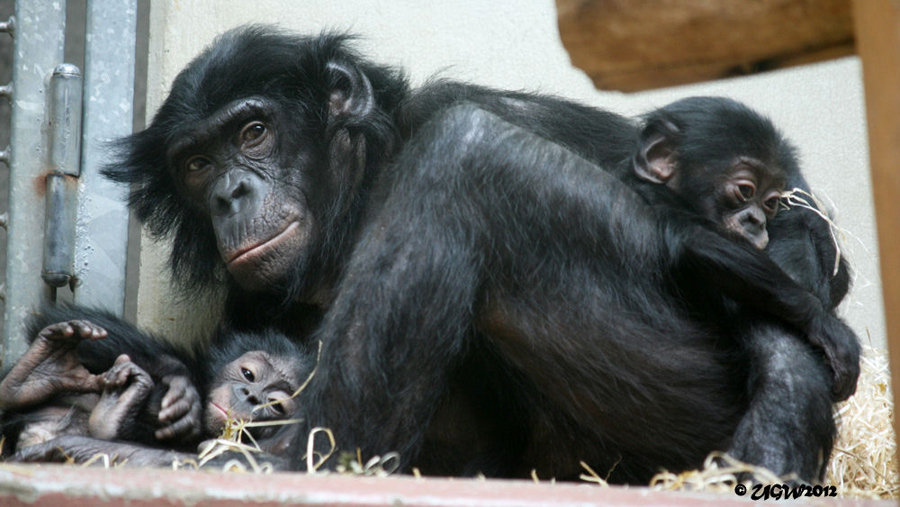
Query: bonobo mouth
(219, 409)
(255, 250)
(260, 265)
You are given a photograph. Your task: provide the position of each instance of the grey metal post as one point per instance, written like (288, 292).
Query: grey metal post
(100, 245)
(62, 180)
(40, 35)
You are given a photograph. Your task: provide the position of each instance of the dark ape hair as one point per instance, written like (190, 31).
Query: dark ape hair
(227, 346)
(243, 62)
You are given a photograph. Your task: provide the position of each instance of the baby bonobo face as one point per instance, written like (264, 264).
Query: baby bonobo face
(257, 386)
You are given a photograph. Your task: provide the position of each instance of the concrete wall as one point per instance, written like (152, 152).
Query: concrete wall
(516, 45)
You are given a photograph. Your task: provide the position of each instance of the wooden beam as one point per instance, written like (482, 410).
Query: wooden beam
(632, 45)
(878, 37)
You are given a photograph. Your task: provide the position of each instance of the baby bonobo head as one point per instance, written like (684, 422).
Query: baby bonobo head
(726, 162)
(252, 378)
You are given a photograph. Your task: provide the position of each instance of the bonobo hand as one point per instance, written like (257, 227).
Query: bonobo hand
(181, 408)
(125, 390)
(50, 366)
(841, 348)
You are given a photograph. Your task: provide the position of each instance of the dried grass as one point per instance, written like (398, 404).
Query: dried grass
(864, 463)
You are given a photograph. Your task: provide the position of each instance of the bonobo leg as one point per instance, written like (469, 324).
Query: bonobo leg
(789, 427)
(50, 366)
(125, 391)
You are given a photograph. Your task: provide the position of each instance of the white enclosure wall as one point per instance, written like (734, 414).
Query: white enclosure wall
(515, 45)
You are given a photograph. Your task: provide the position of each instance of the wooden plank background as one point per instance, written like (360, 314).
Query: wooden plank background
(632, 45)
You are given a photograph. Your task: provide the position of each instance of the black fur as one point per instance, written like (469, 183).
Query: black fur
(490, 295)
(151, 353)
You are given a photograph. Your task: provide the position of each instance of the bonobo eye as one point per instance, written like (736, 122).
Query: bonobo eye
(252, 134)
(746, 191)
(248, 374)
(197, 164)
(771, 204)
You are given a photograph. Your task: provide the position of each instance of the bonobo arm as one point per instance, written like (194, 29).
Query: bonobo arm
(751, 278)
(80, 449)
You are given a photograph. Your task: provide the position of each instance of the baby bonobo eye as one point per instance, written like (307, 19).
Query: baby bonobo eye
(746, 190)
(248, 374)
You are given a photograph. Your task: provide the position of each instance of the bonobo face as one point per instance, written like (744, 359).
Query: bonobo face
(728, 163)
(255, 387)
(234, 167)
(746, 199)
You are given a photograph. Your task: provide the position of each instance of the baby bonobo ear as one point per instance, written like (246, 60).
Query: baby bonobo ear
(351, 91)
(655, 158)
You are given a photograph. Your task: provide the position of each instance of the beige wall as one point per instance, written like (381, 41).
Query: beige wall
(516, 45)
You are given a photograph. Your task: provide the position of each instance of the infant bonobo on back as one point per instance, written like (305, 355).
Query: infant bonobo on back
(714, 160)
(242, 378)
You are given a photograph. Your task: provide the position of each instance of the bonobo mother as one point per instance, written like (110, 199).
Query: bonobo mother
(494, 290)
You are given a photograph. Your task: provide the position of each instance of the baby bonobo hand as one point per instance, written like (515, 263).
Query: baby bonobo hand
(180, 410)
(125, 390)
(50, 366)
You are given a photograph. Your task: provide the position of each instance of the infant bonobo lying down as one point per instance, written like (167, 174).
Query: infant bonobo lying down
(138, 399)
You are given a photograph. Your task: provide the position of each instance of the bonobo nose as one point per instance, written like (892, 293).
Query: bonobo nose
(235, 192)
(753, 227)
(245, 394)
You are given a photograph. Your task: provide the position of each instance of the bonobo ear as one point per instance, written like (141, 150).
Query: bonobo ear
(656, 156)
(351, 91)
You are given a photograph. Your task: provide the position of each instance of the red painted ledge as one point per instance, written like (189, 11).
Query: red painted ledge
(73, 486)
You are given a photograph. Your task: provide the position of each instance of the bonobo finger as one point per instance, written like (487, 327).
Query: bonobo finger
(180, 398)
(187, 428)
(57, 330)
(117, 376)
(87, 330)
(177, 390)
(175, 411)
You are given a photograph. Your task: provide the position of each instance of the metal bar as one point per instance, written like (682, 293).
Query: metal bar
(65, 120)
(40, 35)
(59, 232)
(62, 182)
(100, 246)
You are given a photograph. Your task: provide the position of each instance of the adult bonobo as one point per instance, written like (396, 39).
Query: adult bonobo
(490, 295)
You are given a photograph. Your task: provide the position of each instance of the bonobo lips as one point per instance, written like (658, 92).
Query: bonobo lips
(254, 250)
